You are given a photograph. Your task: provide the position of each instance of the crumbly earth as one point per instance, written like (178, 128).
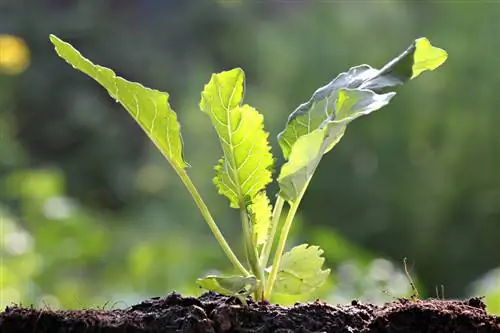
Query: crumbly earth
(214, 313)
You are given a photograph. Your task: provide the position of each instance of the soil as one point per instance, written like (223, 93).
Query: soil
(214, 313)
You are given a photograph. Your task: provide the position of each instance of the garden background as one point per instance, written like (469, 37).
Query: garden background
(91, 215)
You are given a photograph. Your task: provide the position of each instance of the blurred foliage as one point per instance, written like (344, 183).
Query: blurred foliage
(90, 213)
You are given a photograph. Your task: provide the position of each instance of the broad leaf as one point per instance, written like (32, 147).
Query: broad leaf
(150, 108)
(308, 150)
(419, 57)
(316, 126)
(229, 285)
(245, 169)
(260, 211)
(301, 271)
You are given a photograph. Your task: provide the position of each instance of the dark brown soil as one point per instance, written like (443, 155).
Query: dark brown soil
(215, 313)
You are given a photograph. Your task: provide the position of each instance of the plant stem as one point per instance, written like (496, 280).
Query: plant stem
(282, 241)
(210, 221)
(251, 253)
(266, 251)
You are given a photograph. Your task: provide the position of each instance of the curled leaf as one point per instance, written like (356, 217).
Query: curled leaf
(308, 150)
(316, 126)
(419, 57)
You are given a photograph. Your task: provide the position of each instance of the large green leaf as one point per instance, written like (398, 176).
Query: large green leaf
(150, 108)
(229, 285)
(316, 126)
(308, 150)
(245, 169)
(300, 271)
(419, 57)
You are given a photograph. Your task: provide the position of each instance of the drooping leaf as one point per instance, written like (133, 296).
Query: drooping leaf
(245, 169)
(301, 270)
(419, 57)
(149, 107)
(308, 150)
(229, 285)
(260, 211)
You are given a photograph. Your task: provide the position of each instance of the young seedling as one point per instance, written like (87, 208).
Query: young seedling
(245, 169)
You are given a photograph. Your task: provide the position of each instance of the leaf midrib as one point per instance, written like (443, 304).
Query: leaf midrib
(232, 159)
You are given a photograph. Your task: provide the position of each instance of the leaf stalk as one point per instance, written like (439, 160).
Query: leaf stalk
(210, 221)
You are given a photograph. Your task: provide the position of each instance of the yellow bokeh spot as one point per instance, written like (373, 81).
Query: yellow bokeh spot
(14, 55)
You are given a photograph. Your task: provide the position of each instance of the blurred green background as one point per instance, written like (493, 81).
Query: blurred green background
(91, 214)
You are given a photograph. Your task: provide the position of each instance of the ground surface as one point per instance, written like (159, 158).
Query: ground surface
(214, 313)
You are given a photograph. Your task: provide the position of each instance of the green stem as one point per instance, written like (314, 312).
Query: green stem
(210, 221)
(251, 253)
(266, 251)
(282, 241)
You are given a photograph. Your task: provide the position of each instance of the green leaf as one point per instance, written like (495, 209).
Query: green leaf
(245, 169)
(419, 57)
(260, 211)
(304, 158)
(308, 150)
(301, 270)
(229, 285)
(150, 108)
(351, 104)
(316, 126)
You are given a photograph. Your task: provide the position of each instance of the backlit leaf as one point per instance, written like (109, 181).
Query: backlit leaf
(245, 169)
(419, 57)
(301, 270)
(309, 149)
(316, 126)
(260, 211)
(149, 107)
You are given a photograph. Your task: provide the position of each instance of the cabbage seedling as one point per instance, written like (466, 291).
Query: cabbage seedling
(246, 166)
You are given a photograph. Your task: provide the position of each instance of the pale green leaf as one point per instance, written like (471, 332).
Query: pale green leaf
(301, 270)
(419, 57)
(229, 285)
(245, 169)
(260, 211)
(308, 150)
(150, 108)
(304, 158)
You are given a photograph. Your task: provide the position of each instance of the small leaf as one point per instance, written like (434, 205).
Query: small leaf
(245, 169)
(419, 57)
(308, 150)
(229, 285)
(301, 270)
(260, 211)
(150, 108)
